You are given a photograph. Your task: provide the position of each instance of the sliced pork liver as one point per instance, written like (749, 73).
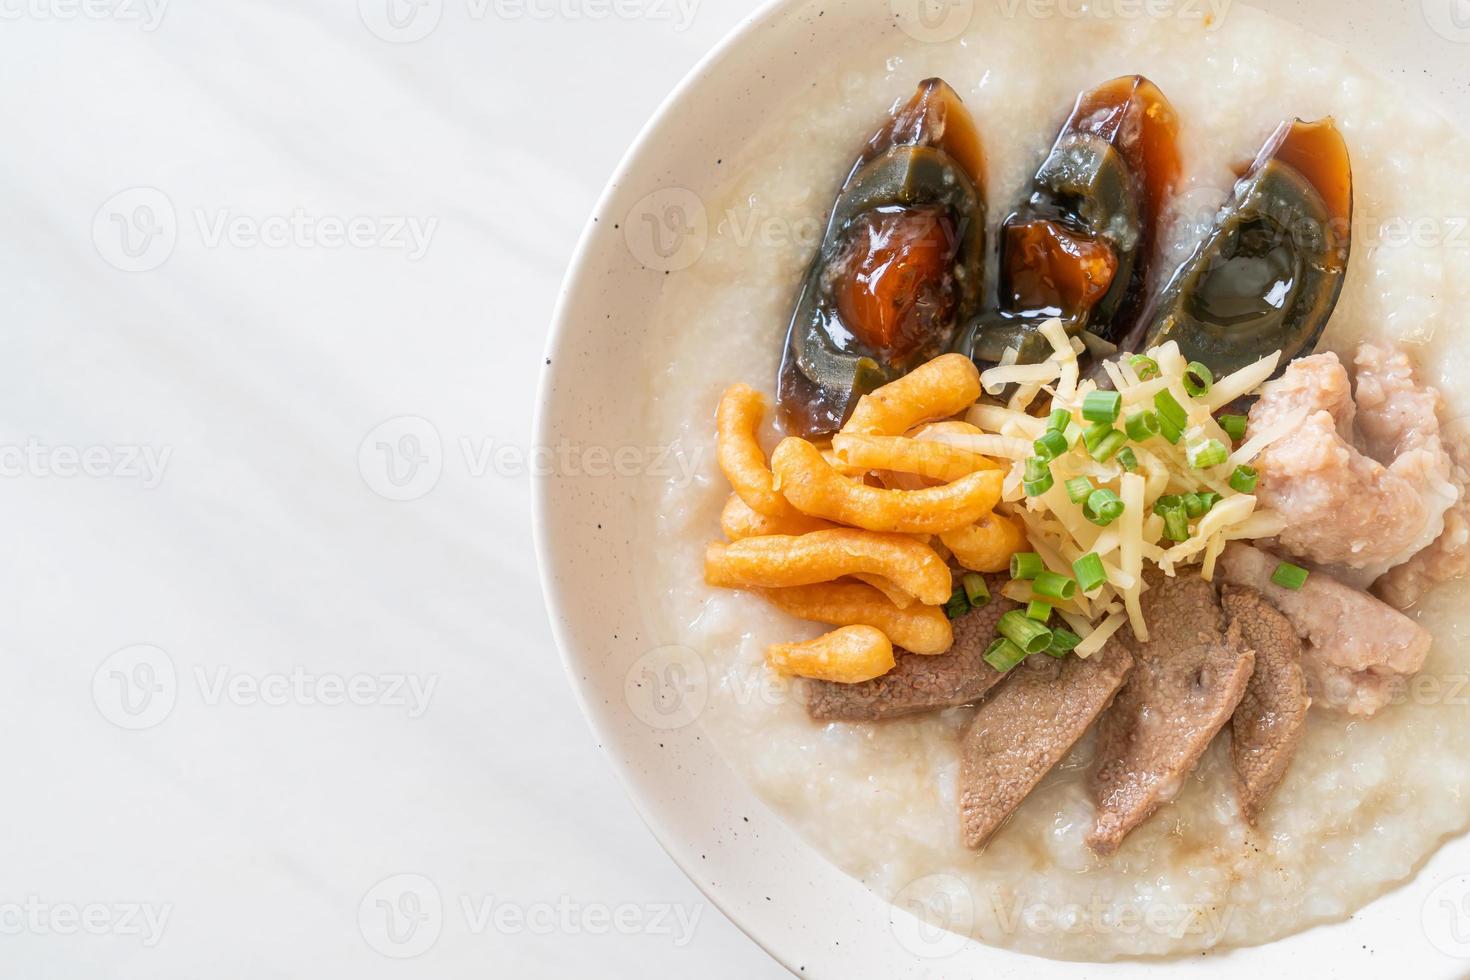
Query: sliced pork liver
(1027, 727)
(921, 683)
(1359, 649)
(1187, 682)
(1271, 717)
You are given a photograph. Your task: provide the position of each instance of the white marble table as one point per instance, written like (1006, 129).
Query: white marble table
(280, 698)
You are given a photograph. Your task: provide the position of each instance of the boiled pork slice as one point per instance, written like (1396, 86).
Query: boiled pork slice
(1359, 649)
(1026, 727)
(922, 683)
(1272, 715)
(1189, 678)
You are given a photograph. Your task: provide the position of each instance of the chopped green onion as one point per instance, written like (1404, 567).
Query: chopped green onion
(1063, 642)
(1004, 655)
(1170, 410)
(1102, 406)
(1051, 445)
(1176, 525)
(1060, 419)
(1203, 455)
(1025, 633)
(1035, 488)
(1127, 459)
(1054, 586)
(1166, 503)
(1243, 480)
(1103, 507)
(1170, 431)
(1198, 379)
(1090, 574)
(1142, 426)
(1209, 500)
(1290, 576)
(1234, 426)
(1026, 565)
(1038, 611)
(957, 605)
(1194, 505)
(1096, 433)
(1109, 446)
(1145, 367)
(1037, 468)
(976, 591)
(1078, 488)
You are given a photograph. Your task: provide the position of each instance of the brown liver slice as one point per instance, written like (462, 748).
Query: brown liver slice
(1187, 682)
(1272, 715)
(1027, 727)
(918, 683)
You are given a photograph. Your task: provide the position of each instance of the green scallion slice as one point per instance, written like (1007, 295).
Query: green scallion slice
(977, 593)
(1096, 433)
(1176, 525)
(1142, 426)
(1109, 445)
(1127, 459)
(1209, 500)
(1025, 633)
(1090, 574)
(1035, 488)
(1290, 576)
(1054, 586)
(1203, 455)
(1170, 431)
(1038, 611)
(1103, 507)
(1026, 565)
(1145, 367)
(1194, 505)
(1234, 426)
(957, 605)
(1037, 468)
(1051, 445)
(1063, 642)
(1060, 419)
(1244, 479)
(1198, 379)
(1170, 410)
(1004, 655)
(1166, 503)
(1102, 406)
(1078, 489)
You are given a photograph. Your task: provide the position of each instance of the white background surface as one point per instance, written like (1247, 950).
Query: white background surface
(181, 606)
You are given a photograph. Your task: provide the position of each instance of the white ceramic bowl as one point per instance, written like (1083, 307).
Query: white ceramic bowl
(807, 913)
